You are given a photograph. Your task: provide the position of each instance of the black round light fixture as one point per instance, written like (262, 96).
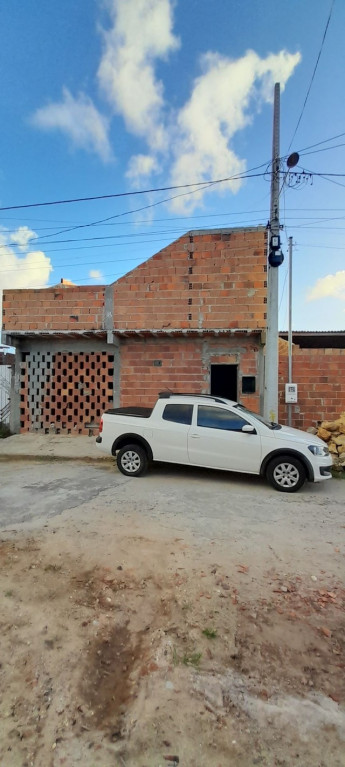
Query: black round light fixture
(292, 160)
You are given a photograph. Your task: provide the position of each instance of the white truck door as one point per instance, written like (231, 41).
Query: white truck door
(216, 440)
(170, 434)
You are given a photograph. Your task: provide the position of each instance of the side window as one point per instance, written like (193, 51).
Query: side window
(178, 413)
(217, 418)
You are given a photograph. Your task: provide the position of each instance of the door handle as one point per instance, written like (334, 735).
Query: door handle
(195, 436)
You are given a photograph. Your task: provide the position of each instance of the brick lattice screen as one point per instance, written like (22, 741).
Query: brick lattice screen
(65, 391)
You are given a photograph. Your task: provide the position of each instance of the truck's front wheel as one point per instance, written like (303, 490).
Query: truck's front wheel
(286, 473)
(132, 460)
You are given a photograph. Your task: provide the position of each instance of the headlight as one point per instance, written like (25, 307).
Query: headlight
(318, 449)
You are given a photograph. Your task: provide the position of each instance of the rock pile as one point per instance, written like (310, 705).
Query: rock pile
(333, 432)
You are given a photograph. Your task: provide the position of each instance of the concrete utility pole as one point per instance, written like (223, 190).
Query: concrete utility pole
(271, 359)
(290, 329)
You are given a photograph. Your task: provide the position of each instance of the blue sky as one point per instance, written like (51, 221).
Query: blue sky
(104, 97)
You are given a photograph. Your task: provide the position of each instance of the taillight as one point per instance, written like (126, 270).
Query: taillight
(101, 426)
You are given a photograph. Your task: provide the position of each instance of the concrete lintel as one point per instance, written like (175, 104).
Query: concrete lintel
(226, 230)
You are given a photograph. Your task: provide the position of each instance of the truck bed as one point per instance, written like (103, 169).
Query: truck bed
(137, 412)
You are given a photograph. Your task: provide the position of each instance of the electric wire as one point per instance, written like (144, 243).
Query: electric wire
(204, 217)
(325, 149)
(159, 233)
(318, 143)
(146, 207)
(315, 68)
(331, 180)
(199, 184)
(79, 264)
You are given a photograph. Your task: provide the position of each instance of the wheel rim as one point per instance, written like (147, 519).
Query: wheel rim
(286, 475)
(130, 461)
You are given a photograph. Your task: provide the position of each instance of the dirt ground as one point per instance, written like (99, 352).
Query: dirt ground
(126, 645)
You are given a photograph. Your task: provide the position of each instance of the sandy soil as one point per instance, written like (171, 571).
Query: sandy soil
(129, 646)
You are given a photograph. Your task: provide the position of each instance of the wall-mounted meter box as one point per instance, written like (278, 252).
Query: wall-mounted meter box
(291, 392)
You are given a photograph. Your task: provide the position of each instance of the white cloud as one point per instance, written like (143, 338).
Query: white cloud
(141, 166)
(141, 33)
(96, 274)
(78, 119)
(331, 286)
(191, 143)
(22, 237)
(223, 101)
(18, 271)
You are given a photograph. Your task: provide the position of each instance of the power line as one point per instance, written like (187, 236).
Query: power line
(159, 233)
(323, 174)
(331, 180)
(325, 141)
(324, 247)
(175, 231)
(205, 217)
(201, 185)
(129, 239)
(131, 260)
(331, 228)
(314, 72)
(146, 207)
(92, 263)
(325, 149)
(198, 184)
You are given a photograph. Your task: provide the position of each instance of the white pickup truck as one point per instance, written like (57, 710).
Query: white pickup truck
(216, 433)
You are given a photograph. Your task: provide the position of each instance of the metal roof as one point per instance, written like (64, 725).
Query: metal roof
(317, 339)
(313, 332)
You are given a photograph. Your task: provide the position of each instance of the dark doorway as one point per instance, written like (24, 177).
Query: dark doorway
(224, 381)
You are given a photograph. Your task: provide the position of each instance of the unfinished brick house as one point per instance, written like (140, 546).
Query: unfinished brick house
(191, 319)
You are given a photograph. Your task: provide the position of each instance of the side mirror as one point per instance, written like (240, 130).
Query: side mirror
(248, 429)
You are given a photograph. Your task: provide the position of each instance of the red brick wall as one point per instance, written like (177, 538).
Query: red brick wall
(185, 366)
(320, 375)
(211, 280)
(78, 308)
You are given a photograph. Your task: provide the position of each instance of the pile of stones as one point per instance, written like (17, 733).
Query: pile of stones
(333, 433)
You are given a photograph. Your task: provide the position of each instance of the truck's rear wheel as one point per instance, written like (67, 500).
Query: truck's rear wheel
(132, 460)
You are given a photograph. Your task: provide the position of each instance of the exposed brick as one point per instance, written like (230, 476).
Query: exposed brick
(220, 266)
(51, 308)
(185, 368)
(320, 397)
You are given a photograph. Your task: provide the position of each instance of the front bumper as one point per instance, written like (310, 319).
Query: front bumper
(323, 472)
(326, 470)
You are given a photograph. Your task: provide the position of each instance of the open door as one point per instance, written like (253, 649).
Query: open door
(224, 381)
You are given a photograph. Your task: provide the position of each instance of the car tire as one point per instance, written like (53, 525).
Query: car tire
(132, 460)
(286, 473)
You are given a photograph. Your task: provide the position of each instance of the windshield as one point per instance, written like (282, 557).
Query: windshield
(269, 424)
